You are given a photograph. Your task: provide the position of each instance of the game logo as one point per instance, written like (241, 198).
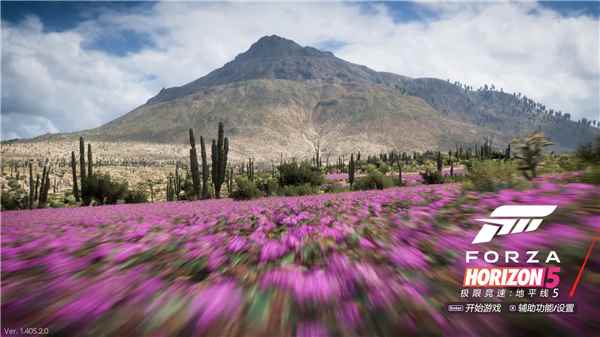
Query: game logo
(514, 281)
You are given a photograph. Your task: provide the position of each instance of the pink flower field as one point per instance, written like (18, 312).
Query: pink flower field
(381, 263)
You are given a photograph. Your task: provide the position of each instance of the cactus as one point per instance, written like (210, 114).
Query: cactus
(42, 185)
(250, 169)
(507, 152)
(36, 188)
(82, 166)
(205, 172)
(45, 187)
(318, 156)
(74, 172)
(168, 190)
(351, 169)
(227, 179)
(194, 165)
(30, 201)
(439, 163)
(247, 170)
(220, 148)
(399, 172)
(177, 180)
(89, 155)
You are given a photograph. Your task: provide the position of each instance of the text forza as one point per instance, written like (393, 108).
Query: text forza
(510, 256)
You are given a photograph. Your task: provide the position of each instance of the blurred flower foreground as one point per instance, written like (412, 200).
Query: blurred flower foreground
(376, 263)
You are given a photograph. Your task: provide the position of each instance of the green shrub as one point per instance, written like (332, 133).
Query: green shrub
(295, 190)
(135, 197)
(69, 199)
(103, 189)
(56, 203)
(589, 153)
(383, 167)
(268, 185)
(373, 180)
(15, 197)
(490, 175)
(570, 163)
(245, 189)
(431, 177)
(295, 174)
(561, 163)
(592, 175)
(334, 187)
(530, 153)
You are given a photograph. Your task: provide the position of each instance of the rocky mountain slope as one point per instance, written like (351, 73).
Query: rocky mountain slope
(279, 97)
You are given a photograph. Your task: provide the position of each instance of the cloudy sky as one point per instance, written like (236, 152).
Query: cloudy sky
(68, 66)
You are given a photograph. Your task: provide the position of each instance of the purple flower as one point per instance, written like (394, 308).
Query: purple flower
(366, 244)
(237, 244)
(311, 329)
(316, 286)
(349, 315)
(127, 251)
(408, 257)
(216, 259)
(272, 250)
(222, 299)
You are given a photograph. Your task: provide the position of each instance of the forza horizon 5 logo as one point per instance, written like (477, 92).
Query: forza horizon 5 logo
(512, 281)
(512, 219)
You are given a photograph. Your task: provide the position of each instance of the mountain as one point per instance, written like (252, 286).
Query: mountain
(280, 97)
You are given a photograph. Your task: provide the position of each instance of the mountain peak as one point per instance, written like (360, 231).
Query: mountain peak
(274, 46)
(276, 58)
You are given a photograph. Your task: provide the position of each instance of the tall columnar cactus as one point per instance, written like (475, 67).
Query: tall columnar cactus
(30, 201)
(90, 159)
(351, 169)
(220, 148)
(42, 185)
(82, 165)
(37, 186)
(439, 162)
(168, 190)
(177, 180)
(205, 172)
(398, 162)
(82, 172)
(318, 156)
(194, 165)
(250, 169)
(193, 171)
(43, 199)
(74, 172)
(507, 152)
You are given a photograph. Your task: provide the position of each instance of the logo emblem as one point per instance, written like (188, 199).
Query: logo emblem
(512, 219)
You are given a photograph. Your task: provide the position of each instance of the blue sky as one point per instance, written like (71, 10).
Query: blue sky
(89, 62)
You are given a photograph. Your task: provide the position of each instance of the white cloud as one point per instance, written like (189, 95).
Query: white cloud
(55, 83)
